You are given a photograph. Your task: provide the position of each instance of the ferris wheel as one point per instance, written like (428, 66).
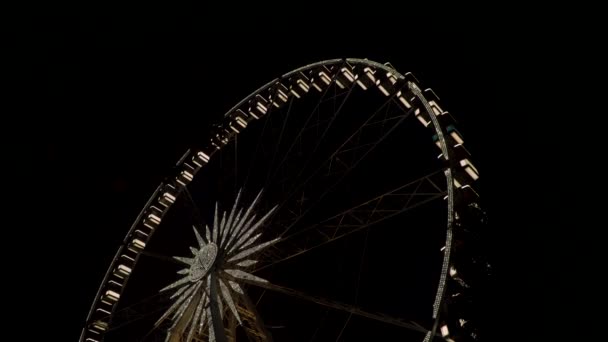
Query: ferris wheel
(335, 202)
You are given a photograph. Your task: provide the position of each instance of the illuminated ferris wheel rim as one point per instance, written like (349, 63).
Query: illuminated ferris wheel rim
(366, 74)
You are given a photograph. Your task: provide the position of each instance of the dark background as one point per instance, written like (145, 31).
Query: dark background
(119, 99)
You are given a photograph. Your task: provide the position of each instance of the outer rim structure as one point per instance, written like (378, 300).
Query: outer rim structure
(429, 113)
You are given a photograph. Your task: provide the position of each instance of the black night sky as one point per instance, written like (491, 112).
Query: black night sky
(124, 98)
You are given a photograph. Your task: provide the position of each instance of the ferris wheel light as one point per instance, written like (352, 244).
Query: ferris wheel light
(241, 122)
(382, 89)
(370, 74)
(324, 75)
(348, 74)
(469, 168)
(435, 107)
(387, 84)
(454, 134)
(103, 312)
(303, 85)
(204, 157)
(421, 117)
(361, 84)
(123, 271)
(112, 295)
(128, 258)
(280, 96)
(259, 108)
(295, 92)
(316, 86)
(154, 218)
(141, 233)
(100, 325)
(403, 100)
(139, 244)
(444, 330)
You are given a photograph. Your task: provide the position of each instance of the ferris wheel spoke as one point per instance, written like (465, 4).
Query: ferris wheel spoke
(160, 257)
(380, 208)
(257, 148)
(280, 139)
(327, 127)
(307, 167)
(304, 127)
(341, 306)
(349, 168)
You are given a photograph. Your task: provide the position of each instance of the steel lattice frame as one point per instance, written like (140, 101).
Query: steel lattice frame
(459, 175)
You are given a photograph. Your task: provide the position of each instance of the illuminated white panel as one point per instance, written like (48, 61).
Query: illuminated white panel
(123, 270)
(102, 311)
(303, 85)
(282, 92)
(261, 107)
(95, 332)
(444, 330)
(112, 295)
(382, 89)
(363, 86)
(241, 122)
(436, 109)
(457, 183)
(140, 232)
(421, 118)
(150, 224)
(185, 177)
(154, 218)
(392, 78)
(452, 271)
(200, 158)
(403, 100)
(139, 244)
(235, 129)
(370, 74)
(124, 256)
(367, 80)
(340, 84)
(314, 84)
(456, 136)
(470, 169)
(294, 91)
(169, 197)
(100, 325)
(348, 74)
(90, 340)
(325, 77)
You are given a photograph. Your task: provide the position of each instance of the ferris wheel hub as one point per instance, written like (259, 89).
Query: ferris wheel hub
(204, 261)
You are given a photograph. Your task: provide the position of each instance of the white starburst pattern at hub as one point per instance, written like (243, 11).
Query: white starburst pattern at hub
(214, 269)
